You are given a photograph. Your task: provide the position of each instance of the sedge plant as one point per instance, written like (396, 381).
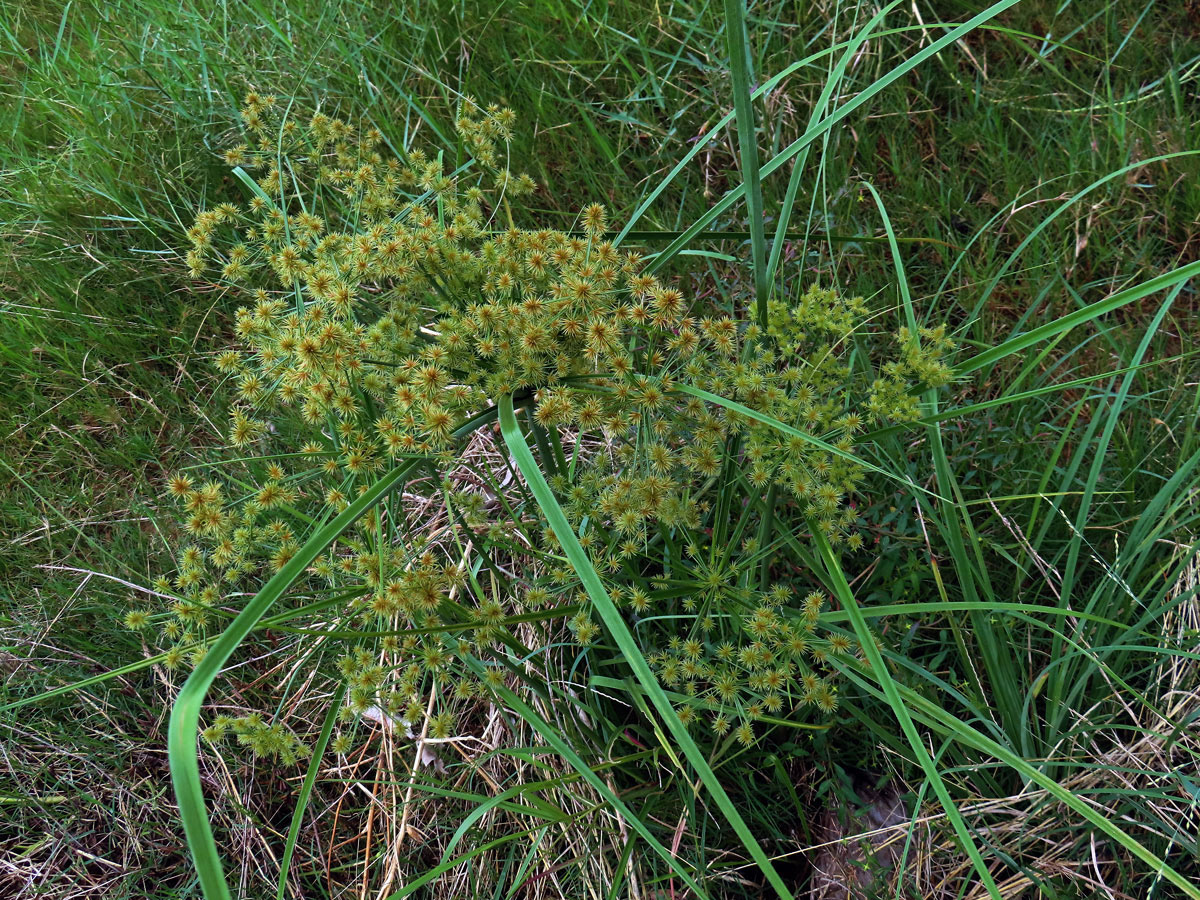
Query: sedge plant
(391, 308)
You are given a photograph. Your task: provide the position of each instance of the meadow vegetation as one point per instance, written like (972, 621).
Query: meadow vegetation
(599, 449)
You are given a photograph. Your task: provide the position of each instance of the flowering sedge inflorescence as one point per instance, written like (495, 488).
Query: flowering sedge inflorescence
(386, 301)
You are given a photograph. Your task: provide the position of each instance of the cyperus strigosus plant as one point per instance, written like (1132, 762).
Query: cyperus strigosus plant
(390, 305)
(399, 299)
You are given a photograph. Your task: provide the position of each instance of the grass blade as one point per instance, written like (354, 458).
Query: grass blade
(1131, 295)
(935, 716)
(1066, 205)
(1067, 674)
(620, 632)
(741, 409)
(816, 131)
(185, 714)
(818, 110)
(997, 657)
(739, 67)
(306, 788)
(879, 669)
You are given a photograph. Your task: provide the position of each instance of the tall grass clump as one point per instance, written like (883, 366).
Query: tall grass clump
(680, 454)
(683, 467)
(393, 306)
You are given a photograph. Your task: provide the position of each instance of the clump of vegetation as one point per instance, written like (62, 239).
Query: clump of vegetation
(389, 302)
(1031, 613)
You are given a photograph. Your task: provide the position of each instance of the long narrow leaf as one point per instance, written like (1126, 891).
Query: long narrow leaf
(1080, 316)
(185, 714)
(744, 410)
(310, 779)
(935, 716)
(826, 124)
(832, 81)
(998, 661)
(879, 669)
(620, 633)
(769, 85)
(739, 67)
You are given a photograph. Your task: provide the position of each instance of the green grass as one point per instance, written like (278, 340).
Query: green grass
(1031, 592)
